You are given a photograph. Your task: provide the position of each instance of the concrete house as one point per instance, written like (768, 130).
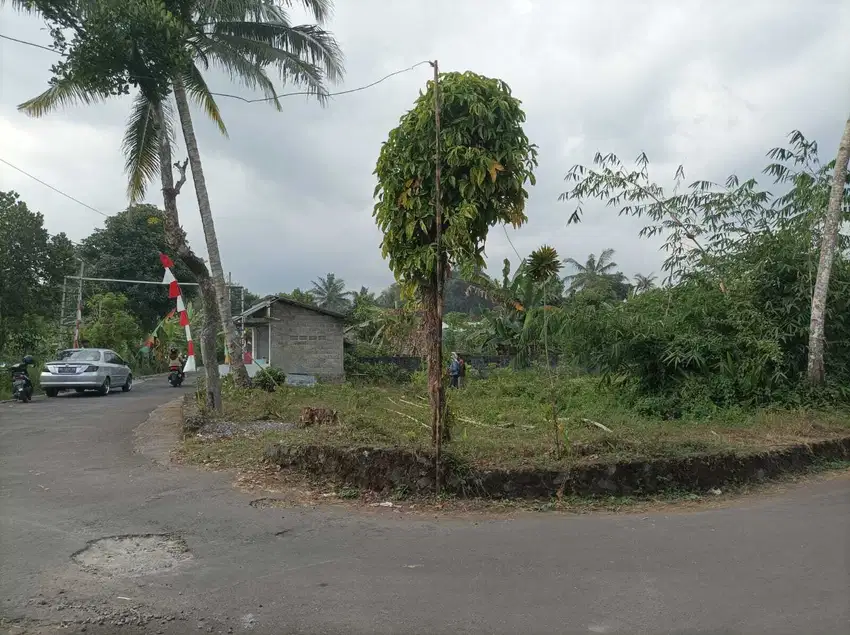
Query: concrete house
(295, 337)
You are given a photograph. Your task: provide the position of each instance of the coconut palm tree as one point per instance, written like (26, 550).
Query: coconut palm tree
(245, 38)
(329, 293)
(644, 283)
(592, 270)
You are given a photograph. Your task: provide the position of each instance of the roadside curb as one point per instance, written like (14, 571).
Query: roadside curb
(387, 469)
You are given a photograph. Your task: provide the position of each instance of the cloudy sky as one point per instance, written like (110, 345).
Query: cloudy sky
(711, 85)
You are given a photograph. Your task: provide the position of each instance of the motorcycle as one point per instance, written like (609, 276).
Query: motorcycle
(176, 376)
(22, 387)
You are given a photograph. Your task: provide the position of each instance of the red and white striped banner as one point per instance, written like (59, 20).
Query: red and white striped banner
(175, 293)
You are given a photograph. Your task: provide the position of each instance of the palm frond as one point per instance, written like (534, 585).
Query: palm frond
(605, 259)
(239, 68)
(141, 146)
(63, 93)
(306, 56)
(574, 263)
(199, 92)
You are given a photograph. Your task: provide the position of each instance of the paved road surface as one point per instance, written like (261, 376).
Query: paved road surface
(69, 475)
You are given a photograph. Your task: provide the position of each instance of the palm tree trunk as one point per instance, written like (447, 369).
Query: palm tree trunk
(176, 238)
(234, 344)
(829, 244)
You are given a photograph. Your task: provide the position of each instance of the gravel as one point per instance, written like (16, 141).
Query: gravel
(229, 429)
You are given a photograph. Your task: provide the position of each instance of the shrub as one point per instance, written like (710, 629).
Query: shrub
(269, 378)
(375, 373)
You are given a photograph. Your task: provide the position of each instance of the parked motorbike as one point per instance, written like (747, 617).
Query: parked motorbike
(22, 387)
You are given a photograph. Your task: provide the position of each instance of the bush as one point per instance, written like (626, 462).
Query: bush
(380, 373)
(692, 348)
(268, 379)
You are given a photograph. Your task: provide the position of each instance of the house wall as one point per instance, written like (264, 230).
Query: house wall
(306, 342)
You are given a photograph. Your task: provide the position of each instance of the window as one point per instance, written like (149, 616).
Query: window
(79, 355)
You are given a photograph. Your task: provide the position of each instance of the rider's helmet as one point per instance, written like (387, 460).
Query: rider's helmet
(173, 351)
(28, 360)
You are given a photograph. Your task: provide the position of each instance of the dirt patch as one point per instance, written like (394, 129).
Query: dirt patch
(389, 470)
(132, 555)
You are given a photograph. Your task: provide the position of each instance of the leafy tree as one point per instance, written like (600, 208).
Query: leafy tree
(733, 327)
(163, 46)
(600, 274)
(832, 218)
(128, 248)
(461, 298)
(644, 283)
(32, 266)
(304, 297)
(364, 297)
(110, 324)
(484, 160)
(391, 297)
(329, 293)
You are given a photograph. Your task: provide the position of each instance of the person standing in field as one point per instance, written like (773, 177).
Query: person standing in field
(454, 370)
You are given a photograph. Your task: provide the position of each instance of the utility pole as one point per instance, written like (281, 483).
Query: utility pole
(438, 212)
(62, 310)
(79, 305)
(224, 326)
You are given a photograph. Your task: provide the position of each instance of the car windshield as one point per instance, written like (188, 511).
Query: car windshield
(79, 356)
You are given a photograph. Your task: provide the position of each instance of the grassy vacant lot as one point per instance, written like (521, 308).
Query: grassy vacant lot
(504, 421)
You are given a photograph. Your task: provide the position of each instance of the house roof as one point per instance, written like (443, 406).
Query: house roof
(271, 299)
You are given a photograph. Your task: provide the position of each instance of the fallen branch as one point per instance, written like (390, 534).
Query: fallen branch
(410, 403)
(590, 421)
(396, 412)
(598, 425)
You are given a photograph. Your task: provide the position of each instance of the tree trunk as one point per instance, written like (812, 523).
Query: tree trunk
(231, 337)
(432, 326)
(829, 243)
(176, 238)
(209, 341)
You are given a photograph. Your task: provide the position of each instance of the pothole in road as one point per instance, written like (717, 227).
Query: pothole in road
(133, 555)
(266, 503)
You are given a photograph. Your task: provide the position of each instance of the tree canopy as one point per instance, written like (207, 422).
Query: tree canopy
(128, 248)
(33, 265)
(486, 162)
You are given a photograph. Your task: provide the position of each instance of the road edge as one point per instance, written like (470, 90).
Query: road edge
(158, 436)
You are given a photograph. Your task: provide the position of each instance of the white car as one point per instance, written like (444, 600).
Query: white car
(84, 369)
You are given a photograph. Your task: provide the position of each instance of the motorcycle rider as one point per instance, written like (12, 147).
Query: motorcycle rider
(175, 362)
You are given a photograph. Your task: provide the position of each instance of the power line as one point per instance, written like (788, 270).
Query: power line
(58, 191)
(38, 46)
(341, 92)
(259, 99)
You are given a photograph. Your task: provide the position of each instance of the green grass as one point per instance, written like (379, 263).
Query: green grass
(504, 421)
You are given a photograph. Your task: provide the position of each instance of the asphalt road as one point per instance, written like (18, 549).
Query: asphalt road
(68, 475)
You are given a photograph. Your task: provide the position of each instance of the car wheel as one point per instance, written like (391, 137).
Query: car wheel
(128, 385)
(51, 392)
(104, 389)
